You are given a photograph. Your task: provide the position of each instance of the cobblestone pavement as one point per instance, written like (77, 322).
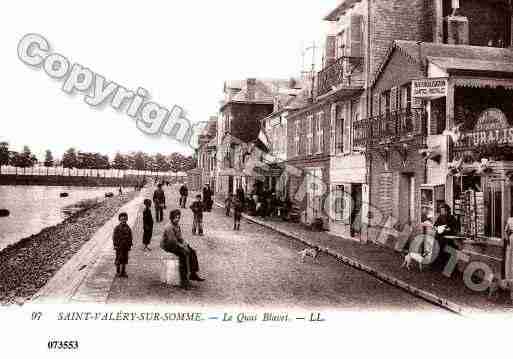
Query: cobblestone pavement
(255, 267)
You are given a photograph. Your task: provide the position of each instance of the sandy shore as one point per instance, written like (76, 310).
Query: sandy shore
(27, 265)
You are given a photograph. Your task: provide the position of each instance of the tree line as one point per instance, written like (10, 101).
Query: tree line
(73, 158)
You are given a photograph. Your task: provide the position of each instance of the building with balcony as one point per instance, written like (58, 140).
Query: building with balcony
(438, 127)
(246, 103)
(273, 135)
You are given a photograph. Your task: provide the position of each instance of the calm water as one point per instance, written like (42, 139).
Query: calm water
(34, 208)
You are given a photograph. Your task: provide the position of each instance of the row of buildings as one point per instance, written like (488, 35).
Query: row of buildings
(413, 107)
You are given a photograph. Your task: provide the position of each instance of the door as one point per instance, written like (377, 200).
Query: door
(356, 209)
(230, 184)
(407, 198)
(313, 194)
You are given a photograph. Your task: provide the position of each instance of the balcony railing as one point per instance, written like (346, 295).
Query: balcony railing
(395, 126)
(337, 74)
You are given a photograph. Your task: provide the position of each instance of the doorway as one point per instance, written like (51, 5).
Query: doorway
(356, 210)
(407, 198)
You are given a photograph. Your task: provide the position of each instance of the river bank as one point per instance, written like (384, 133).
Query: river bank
(27, 265)
(80, 181)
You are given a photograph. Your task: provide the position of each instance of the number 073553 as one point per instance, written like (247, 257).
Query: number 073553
(63, 344)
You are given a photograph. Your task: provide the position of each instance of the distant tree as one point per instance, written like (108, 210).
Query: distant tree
(189, 163)
(69, 159)
(140, 161)
(24, 159)
(101, 161)
(4, 155)
(120, 162)
(149, 163)
(48, 160)
(161, 163)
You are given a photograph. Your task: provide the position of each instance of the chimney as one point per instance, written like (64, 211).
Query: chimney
(457, 26)
(251, 89)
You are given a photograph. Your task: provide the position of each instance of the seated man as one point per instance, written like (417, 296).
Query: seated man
(173, 242)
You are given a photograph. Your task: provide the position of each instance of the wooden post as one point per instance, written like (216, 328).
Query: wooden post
(449, 105)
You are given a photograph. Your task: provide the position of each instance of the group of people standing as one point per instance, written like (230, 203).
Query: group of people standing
(172, 239)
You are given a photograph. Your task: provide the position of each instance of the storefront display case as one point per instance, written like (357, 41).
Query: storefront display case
(431, 198)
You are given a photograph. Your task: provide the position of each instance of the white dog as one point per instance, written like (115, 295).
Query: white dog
(497, 284)
(308, 252)
(413, 257)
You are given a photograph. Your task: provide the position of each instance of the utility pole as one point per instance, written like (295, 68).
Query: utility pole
(313, 48)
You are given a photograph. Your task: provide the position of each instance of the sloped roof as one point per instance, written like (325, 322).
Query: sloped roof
(265, 90)
(411, 48)
(340, 9)
(455, 64)
(478, 57)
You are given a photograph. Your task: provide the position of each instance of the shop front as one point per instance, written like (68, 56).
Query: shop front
(480, 175)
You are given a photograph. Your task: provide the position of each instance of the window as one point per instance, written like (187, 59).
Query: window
(385, 102)
(296, 138)
(341, 44)
(339, 203)
(309, 134)
(339, 129)
(320, 132)
(406, 97)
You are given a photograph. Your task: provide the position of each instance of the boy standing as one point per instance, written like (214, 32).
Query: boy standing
(197, 211)
(228, 204)
(147, 224)
(122, 240)
(159, 199)
(238, 207)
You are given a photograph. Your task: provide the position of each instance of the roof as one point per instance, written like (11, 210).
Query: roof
(455, 64)
(451, 57)
(344, 5)
(264, 90)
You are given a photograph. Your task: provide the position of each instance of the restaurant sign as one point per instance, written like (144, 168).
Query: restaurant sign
(430, 88)
(492, 127)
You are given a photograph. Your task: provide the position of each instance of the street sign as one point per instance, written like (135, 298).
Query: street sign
(429, 88)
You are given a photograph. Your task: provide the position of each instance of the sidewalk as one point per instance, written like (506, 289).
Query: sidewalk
(385, 264)
(88, 275)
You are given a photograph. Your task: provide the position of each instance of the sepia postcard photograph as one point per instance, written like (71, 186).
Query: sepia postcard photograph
(284, 178)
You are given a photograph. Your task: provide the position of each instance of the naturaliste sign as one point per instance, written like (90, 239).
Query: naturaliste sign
(492, 127)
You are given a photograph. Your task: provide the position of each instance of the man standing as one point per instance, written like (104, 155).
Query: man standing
(159, 199)
(184, 192)
(207, 198)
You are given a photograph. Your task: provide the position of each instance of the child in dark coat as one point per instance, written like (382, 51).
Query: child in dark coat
(147, 225)
(228, 204)
(197, 208)
(238, 207)
(122, 241)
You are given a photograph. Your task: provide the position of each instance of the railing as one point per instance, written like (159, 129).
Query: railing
(335, 75)
(392, 127)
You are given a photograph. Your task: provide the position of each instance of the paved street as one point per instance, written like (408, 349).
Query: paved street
(255, 267)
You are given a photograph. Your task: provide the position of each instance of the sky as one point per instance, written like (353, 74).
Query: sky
(180, 51)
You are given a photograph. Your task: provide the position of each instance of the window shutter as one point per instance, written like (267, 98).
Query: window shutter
(393, 99)
(333, 122)
(375, 104)
(347, 133)
(356, 35)
(331, 50)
